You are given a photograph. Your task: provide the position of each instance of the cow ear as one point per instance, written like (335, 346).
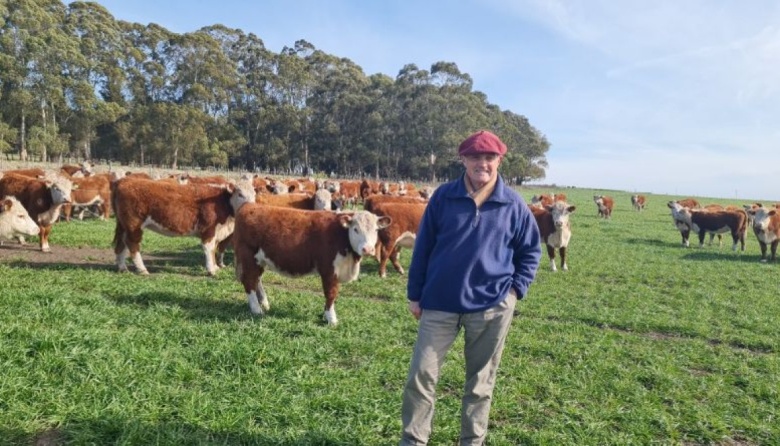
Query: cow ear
(571, 208)
(345, 219)
(383, 222)
(5, 205)
(772, 212)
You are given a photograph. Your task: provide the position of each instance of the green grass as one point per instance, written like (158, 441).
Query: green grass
(641, 342)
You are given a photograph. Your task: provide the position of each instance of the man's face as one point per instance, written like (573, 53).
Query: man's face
(481, 168)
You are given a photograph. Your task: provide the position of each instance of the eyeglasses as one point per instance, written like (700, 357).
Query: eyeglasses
(488, 157)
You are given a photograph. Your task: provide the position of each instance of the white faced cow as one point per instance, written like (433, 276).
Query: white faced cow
(703, 222)
(555, 229)
(15, 221)
(766, 226)
(296, 242)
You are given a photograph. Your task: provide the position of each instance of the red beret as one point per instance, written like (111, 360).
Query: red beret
(482, 142)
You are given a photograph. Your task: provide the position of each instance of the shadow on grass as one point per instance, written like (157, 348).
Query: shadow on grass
(724, 254)
(218, 310)
(116, 430)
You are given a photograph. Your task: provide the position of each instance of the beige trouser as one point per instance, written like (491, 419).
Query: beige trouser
(485, 333)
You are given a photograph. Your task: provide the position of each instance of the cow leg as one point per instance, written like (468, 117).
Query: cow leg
(394, 258)
(221, 247)
(564, 266)
(385, 254)
(209, 249)
(330, 285)
(551, 255)
(20, 239)
(44, 238)
(774, 249)
(763, 250)
(265, 304)
(702, 234)
(133, 242)
(67, 209)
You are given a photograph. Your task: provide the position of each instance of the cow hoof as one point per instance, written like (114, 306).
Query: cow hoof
(143, 272)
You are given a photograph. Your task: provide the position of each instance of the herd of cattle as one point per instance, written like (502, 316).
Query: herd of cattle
(301, 226)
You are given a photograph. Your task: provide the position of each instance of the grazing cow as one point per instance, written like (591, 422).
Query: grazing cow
(94, 190)
(42, 199)
(604, 203)
(555, 229)
(766, 226)
(295, 243)
(713, 222)
(638, 202)
(401, 233)
(15, 221)
(202, 210)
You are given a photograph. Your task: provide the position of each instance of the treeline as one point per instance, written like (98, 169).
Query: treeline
(75, 82)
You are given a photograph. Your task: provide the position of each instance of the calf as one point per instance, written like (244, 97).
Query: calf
(555, 230)
(713, 222)
(42, 198)
(93, 190)
(296, 242)
(15, 221)
(604, 203)
(205, 211)
(401, 233)
(638, 202)
(766, 226)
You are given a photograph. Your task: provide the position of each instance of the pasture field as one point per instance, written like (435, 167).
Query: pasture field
(641, 342)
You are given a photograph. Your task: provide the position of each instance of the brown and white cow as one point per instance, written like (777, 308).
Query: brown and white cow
(42, 198)
(295, 243)
(766, 226)
(703, 222)
(94, 190)
(15, 221)
(604, 203)
(373, 200)
(638, 202)
(202, 210)
(690, 203)
(401, 233)
(555, 229)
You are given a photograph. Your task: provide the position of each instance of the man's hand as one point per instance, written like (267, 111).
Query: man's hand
(414, 308)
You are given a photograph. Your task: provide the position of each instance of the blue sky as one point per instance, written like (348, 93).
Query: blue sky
(672, 97)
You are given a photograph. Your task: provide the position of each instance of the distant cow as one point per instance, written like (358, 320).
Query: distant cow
(604, 203)
(201, 210)
(42, 198)
(94, 190)
(15, 221)
(295, 242)
(401, 233)
(703, 222)
(766, 226)
(555, 229)
(638, 202)
(373, 200)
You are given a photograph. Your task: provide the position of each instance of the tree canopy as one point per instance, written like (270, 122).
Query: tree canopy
(74, 81)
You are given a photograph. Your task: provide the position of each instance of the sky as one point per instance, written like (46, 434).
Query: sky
(678, 97)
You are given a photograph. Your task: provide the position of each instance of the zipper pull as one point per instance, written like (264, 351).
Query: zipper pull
(476, 219)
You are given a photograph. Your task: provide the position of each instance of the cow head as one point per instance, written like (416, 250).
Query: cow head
(60, 188)
(560, 213)
(761, 217)
(241, 193)
(15, 221)
(363, 227)
(322, 200)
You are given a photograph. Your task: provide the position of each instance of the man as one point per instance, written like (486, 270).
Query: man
(477, 251)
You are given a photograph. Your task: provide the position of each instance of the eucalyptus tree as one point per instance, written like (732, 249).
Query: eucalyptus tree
(527, 159)
(31, 40)
(250, 100)
(339, 105)
(415, 92)
(96, 79)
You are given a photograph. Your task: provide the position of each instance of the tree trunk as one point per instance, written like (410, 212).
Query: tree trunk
(22, 140)
(44, 154)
